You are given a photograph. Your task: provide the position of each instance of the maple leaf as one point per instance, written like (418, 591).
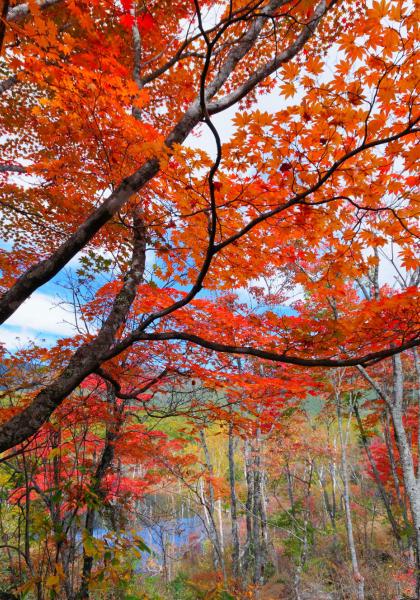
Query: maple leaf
(127, 21)
(145, 22)
(288, 89)
(284, 167)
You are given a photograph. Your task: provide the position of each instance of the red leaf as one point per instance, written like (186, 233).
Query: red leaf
(285, 167)
(127, 21)
(145, 22)
(127, 4)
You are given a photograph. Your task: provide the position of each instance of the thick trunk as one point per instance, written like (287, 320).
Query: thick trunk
(87, 357)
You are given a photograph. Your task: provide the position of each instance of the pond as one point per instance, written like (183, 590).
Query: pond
(175, 537)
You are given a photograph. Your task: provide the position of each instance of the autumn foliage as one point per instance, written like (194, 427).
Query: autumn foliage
(220, 190)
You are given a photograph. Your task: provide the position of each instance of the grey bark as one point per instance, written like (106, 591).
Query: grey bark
(417, 370)
(233, 505)
(22, 10)
(329, 509)
(358, 577)
(411, 482)
(86, 359)
(393, 463)
(256, 524)
(249, 505)
(219, 561)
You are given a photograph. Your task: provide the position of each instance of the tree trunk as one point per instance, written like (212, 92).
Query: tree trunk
(358, 577)
(233, 505)
(220, 519)
(256, 524)
(104, 463)
(249, 506)
(381, 489)
(411, 483)
(210, 506)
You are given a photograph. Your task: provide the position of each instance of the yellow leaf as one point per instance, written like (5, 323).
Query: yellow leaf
(4, 478)
(53, 453)
(52, 582)
(89, 547)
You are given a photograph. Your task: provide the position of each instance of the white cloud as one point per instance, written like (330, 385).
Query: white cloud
(14, 339)
(40, 316)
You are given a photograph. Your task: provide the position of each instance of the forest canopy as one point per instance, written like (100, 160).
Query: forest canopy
(224, 196)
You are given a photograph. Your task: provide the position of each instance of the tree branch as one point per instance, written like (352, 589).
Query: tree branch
(272, 66)
(133, 395)
(365, 359)
(46, 269)
(22, 10)
(87, 357)
(12, 169)
(8, 83)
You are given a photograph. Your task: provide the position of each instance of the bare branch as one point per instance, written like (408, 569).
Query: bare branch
(22, 10)
(12, 169)
(8, 83)
(133, 395)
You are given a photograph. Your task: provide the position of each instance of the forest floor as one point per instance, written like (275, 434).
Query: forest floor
(277, 591)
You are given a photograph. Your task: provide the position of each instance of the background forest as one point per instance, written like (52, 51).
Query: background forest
(209, 308)
(281, 486)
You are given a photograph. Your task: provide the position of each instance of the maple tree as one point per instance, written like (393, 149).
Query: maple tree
(101, 102)
(98, 99)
